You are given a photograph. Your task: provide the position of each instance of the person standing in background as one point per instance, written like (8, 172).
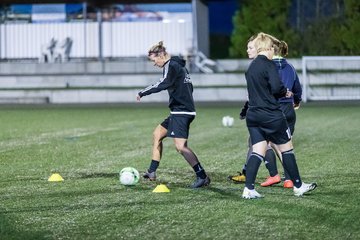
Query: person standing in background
(265, 120)
(291, 81)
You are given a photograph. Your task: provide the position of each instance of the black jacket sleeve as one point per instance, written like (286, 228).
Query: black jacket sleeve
(164, 83)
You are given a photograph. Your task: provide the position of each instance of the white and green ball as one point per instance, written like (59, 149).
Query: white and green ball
(129, 176)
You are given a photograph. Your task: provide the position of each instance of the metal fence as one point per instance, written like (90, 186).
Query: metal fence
(331, 78)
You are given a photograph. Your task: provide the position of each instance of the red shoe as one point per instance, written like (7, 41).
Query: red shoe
(288, 184)
(271, 181)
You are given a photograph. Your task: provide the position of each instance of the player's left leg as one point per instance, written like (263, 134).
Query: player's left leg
(289, 162)
(202, 178)
(179, 126)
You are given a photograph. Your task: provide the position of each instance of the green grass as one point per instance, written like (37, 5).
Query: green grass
(88, 146)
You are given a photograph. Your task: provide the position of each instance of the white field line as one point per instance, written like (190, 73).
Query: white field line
(45, 138)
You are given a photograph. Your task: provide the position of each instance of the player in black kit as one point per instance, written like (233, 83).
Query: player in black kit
(265, 120)
(176, 81)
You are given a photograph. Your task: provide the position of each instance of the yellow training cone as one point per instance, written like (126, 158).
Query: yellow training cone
(161, 188)
(55, 177)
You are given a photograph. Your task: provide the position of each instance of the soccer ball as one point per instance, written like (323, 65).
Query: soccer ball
(227, 121)
(129, 176)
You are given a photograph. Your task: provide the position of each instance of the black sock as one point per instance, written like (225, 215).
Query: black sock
(291, 167)
(200, 172)
(248, 154)
(252, 168)
(270, 162)
(153, 166)
(286, 175)
(244, 170)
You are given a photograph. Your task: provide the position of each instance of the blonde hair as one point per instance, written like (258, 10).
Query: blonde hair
(264, 42)
(252, 38)
(157, 49)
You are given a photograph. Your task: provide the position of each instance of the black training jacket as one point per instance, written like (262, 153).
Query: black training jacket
(176, 80)
(264, 84)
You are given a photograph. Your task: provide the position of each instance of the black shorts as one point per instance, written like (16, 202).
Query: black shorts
(267, 125)
(178, 125)
(289, 111)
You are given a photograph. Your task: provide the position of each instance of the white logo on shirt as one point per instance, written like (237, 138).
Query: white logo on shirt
(187, 78)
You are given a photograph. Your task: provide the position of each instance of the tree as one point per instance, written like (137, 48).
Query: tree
(337, 33)
(261, 16)
(350, 30)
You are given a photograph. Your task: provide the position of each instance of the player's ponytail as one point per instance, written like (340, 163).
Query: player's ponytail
(283, 49)
(157, 49)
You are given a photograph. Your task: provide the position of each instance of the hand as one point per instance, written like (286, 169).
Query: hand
(296, 106)
(138, 98)
(289, 94)
(244, 110)
(242, 115)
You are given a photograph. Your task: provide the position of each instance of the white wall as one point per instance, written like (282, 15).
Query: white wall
(120, 39)
(119, 81)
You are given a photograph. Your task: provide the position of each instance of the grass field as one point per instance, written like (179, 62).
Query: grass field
(89, 145)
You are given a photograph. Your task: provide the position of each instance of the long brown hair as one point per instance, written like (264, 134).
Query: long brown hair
(283, 49)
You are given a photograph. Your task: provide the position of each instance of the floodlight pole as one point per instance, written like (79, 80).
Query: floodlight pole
(99, 20)
(195, 35)
(84, 13)
(0, 40)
